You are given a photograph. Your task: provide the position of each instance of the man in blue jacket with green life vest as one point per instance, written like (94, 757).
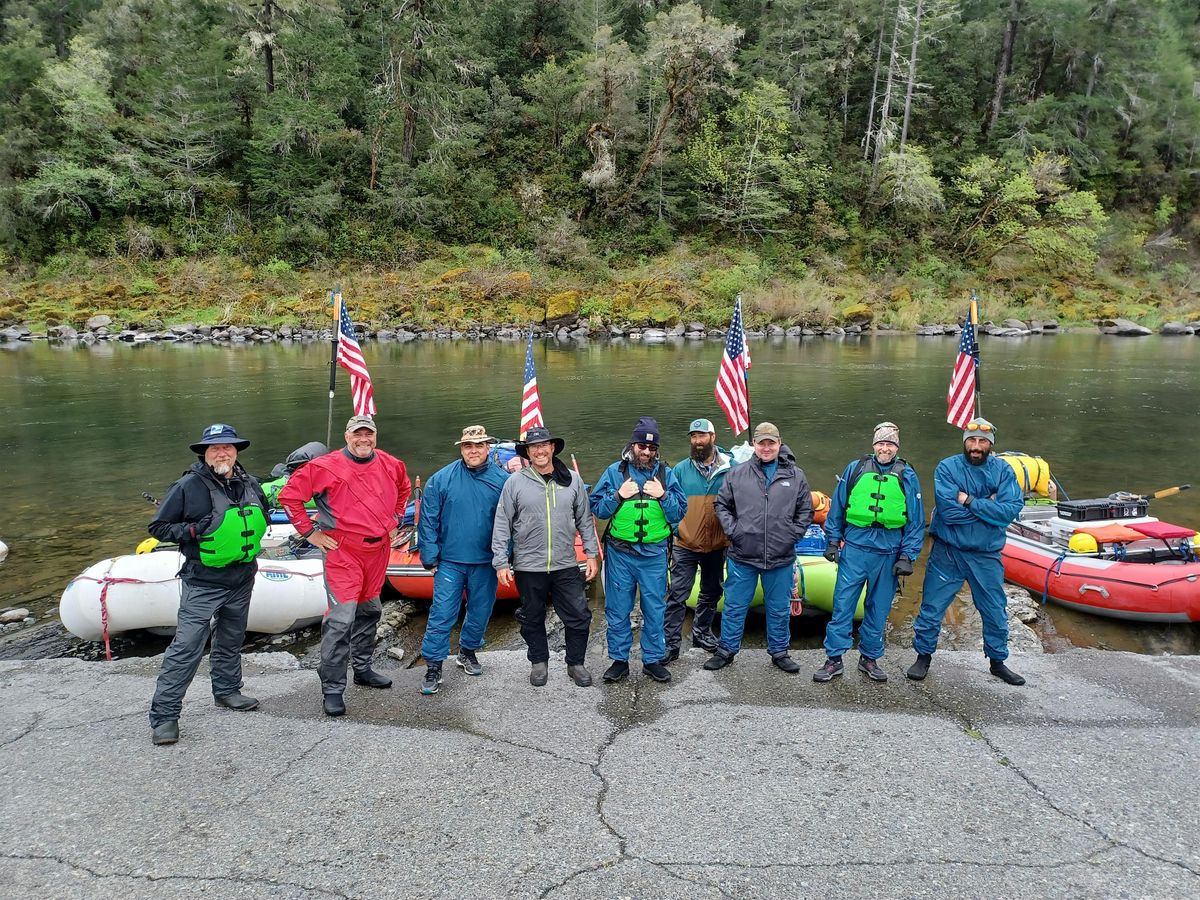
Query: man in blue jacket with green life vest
(976, 496)
(454, 534)
(875, 529)
(640, 497)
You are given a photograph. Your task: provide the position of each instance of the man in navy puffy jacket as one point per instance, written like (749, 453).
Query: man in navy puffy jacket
(976, 497)
(454, 534)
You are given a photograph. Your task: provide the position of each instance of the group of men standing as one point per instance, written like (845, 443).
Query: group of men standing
(481, 525)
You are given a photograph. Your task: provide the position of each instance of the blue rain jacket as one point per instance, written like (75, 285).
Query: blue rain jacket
(895, 541)
(457, 513)
(995, 502)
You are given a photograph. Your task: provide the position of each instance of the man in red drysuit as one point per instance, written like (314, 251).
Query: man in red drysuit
(360, 494)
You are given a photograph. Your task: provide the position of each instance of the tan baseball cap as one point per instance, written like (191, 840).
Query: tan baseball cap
(357, 422)
(766, 432)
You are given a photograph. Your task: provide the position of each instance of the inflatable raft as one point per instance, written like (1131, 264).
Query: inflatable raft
(142, 591)
(1123, 566)
(815, 578)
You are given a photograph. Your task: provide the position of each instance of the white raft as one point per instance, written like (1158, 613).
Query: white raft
(142, 591)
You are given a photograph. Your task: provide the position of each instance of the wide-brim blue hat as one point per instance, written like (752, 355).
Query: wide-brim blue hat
(219, 434)
(539, 435)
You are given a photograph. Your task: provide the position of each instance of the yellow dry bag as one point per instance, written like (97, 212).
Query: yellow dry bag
(1033, 473)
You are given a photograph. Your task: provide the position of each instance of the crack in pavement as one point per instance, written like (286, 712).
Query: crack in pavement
(235, 879)
(29, 729)
(1003, 758)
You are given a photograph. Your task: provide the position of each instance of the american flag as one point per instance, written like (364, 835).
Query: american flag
(732, 391)
(960, 400)
(531, 403)
(350, 358)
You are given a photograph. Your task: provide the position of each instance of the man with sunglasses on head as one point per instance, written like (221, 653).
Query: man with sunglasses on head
(216, 513)
(976, 496)
(643, 501)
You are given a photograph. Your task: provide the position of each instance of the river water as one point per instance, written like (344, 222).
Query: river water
(86, 430)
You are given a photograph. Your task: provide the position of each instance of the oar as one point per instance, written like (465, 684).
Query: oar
(595, 522)
(149, 498)
(1167, 492)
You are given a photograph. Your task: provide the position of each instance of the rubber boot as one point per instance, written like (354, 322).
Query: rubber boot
(1005, 674)
(918, 670)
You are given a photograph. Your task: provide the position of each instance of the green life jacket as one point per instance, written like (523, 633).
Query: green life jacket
(639, 519)
(877, 501)
(272, 489)
(237, 530)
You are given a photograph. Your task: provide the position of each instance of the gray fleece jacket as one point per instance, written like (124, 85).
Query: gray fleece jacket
(536, 521)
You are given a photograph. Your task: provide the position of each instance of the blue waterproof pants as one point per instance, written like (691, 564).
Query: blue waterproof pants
(625, 574)
(857, 567)
(948, 567)
(740, 581)
(452, 580)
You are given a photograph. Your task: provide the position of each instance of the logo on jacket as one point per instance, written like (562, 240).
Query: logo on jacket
(275, 575)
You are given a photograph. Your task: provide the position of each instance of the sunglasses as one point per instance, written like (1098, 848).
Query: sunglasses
(644, 446)
(975, 426)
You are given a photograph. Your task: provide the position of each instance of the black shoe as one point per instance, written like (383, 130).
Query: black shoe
(719, 660)
(335, 705)
(706, 643)
(671, 656)
(918, 670)
(468, 662)
(618, 670)
(165, 732)
(657, 671)
(433, 677)
(580, 675)
(833, 667)
(236, 701)
(1004, 673)
(870, 668)
(786, 663)
(539, 674)
(371, 678)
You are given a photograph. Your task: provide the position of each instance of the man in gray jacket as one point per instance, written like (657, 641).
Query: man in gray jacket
(541, 509)
(764, 506)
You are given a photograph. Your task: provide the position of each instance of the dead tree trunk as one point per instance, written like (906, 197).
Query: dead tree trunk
(1003, 68)
(912, 71)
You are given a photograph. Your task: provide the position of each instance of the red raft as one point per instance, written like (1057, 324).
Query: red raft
(1141, 569)
(406, 574)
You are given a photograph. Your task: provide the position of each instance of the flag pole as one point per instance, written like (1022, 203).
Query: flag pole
(336, 299)
(745, 372)
(975, 326)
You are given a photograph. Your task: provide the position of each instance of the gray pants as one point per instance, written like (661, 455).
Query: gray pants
(348, 633)
(204, 610)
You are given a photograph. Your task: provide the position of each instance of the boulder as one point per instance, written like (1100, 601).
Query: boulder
(62, 333)
(100, 321)
(183, 329)
(1122, 328)
(857, 314)
(676, 330)
(774, 329)
(1015, 323)
(1175, 328)
(13, 615)
(695, 326)
(795, 331)
(654, 335)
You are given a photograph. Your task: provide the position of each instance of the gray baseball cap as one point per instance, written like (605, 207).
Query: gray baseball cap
(357, 422)
(703, 425)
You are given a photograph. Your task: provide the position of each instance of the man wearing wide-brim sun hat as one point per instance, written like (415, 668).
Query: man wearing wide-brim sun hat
(976, 496)
(454, 532)
(541, 509)
(216, 513)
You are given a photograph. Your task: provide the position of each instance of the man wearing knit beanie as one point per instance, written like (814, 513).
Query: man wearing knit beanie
(875, 529)
(643, 501)
(976, 497)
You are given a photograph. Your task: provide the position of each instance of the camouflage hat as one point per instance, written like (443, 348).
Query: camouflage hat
(475, 434)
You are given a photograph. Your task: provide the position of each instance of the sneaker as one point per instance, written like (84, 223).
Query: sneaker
(918, 670)
(657, 671)
(870, 668)
(468, 662)
(786, 663)
(165, 732)
(833, 667)
(580, 675)
(1005, 674)
(618, 670)
(719, 660)
(539, 674)
(671, 656)
(433, 677)
(705, 642)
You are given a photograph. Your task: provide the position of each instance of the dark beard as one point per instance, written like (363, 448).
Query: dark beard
(701, 454)
(986, 453)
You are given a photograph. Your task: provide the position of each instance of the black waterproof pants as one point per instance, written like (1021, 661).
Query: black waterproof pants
(684, 563)
(565, 589)
(204, 609)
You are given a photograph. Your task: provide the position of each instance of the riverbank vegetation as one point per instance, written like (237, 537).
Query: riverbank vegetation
(518, 160)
